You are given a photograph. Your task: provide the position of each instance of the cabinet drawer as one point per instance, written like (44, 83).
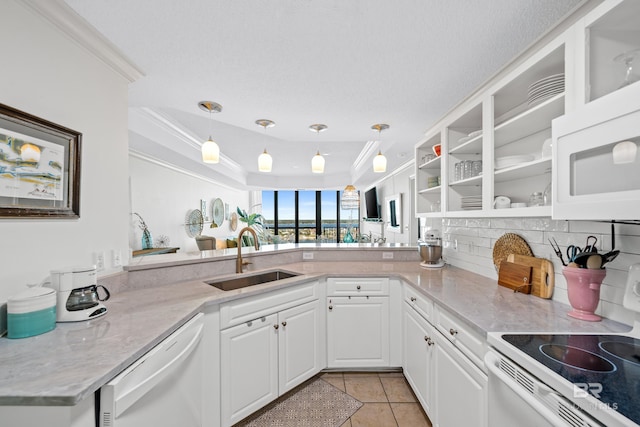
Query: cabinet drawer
(421, 304)
(250, 308)
(337, 286)
(471, 343)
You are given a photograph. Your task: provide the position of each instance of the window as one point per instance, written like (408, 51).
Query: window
(308, 216)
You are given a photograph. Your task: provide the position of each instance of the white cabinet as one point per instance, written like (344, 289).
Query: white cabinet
(358, 322)
(461, 388)
(299, 345)
(265, 357)
(249, 367)
(418, 367)
(357, 332)
(441, 361)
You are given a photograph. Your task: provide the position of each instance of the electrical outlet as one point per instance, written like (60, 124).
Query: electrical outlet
(307, 255)
(98, 260)
(116, 258)
(387, 255)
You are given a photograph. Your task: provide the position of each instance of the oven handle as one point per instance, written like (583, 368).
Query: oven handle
(492, 362)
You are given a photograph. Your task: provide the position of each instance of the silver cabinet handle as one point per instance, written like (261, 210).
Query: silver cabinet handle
(430, 342)
(358, 287)
(330, 307)
(276, 326)
(453, 331)
(413, 299)
(284, 324)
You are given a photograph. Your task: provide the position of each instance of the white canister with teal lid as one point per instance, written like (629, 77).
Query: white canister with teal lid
(31, 312)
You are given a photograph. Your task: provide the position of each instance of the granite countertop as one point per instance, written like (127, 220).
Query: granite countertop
(64, 366)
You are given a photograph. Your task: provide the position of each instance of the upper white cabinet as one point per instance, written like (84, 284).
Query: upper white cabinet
(597, 170)
(498, 143)
(507, 123)
(612, 40)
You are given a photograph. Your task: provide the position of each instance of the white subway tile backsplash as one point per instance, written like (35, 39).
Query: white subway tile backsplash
(476, 238)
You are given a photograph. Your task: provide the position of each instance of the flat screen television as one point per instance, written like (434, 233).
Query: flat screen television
(371, 201)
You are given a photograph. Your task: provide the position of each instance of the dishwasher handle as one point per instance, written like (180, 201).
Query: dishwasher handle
(492, 362)
(123, 399)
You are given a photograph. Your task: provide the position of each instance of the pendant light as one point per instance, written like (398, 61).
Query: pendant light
(317, 162)
(380, 161)
(350, 198)
(210, 150)
(265, 161)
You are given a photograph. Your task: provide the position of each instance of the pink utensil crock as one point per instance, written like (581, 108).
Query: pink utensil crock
(583, 286)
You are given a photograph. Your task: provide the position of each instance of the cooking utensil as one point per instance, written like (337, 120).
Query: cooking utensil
(591, 247)
(542, 274)
(594, 262)
(581, 259)
(557, 250)
(572, 252)
(609, 256)
(515, 276)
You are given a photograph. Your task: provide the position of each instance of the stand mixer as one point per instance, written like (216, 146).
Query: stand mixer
(430, 248)
(77, 294)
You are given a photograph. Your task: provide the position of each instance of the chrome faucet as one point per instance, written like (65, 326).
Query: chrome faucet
(239, 262)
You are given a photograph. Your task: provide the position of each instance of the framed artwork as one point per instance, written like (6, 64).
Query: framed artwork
(39, 167)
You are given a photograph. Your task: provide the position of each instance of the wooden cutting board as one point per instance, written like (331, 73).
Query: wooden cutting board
(542, 274)
(515, 276)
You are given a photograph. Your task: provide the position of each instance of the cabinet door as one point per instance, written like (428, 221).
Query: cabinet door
(461, 398)
(358, 332)
(418, 356)
(299, 344)
(249, 367)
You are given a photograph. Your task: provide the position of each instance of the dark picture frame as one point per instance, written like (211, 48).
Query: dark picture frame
(39, 167)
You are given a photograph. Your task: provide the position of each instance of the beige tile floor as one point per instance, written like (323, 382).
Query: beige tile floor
(387, 398)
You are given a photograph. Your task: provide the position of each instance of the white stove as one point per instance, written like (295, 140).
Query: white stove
(567, 379)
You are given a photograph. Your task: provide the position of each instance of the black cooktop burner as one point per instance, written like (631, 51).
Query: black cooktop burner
(622, 350)
(577, 358)
(605, 366)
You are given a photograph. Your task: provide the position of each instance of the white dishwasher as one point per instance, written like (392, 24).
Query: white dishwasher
(162, 388)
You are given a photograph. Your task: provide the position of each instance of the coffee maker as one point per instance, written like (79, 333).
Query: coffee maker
(77, 294)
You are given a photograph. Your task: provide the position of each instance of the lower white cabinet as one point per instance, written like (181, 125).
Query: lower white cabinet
(263, 358)
(460, 397)
(419, 341)
(357, 332)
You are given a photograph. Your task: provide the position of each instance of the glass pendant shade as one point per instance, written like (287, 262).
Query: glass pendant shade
(210, 151)
(350, 198)
(379, 163)
(317, 163)
(265, 161)
(624, 152)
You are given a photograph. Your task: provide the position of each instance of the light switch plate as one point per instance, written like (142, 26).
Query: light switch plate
(307, 255)
(387, 255)
(98, 260)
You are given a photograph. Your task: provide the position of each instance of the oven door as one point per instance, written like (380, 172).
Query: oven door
(517, 398)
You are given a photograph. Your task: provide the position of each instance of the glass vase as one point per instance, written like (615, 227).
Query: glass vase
(147, 240)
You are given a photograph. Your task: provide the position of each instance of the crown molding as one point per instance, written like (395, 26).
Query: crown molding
(84, 34)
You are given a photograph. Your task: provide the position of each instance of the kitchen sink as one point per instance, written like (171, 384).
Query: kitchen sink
(255, 279)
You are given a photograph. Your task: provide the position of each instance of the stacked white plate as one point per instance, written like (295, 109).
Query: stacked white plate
(469, 203)
(545, 88)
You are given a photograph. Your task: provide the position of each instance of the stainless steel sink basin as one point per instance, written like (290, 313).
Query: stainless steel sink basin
(255, 279)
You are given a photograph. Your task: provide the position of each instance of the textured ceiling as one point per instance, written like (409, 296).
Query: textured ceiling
(347, 64)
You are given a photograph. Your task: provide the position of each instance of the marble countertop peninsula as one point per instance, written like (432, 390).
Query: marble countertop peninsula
(64, 366)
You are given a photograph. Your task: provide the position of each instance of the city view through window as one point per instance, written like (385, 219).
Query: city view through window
(308, 216)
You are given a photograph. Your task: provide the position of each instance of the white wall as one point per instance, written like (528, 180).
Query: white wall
(476, 237)
(396, 183)
(46, 74)
(163, 196)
